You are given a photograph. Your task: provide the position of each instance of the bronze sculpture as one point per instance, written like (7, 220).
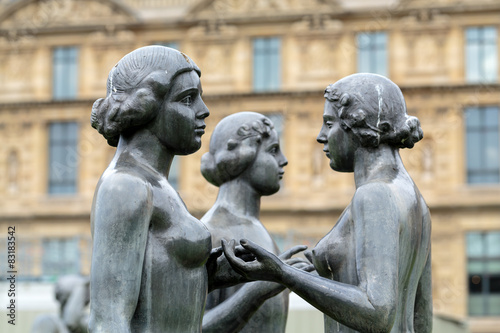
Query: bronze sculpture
(152, 262)
(149, 254)
(245, 162)
(374, 265)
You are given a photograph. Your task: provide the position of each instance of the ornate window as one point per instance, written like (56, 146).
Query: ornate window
(372, 52)
(482, 144)
(483, 267)
(63, 157)
(481, 54)
(266, 64)
(65, 73)
(60, 256)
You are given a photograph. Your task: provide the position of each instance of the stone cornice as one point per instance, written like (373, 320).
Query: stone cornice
(261, 95)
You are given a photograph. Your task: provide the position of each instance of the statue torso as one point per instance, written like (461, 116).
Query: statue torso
(174, 279)
(272, 315)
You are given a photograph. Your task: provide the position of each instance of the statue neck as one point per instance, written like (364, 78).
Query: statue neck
(146, 149)
(377, 164)
(239, 198)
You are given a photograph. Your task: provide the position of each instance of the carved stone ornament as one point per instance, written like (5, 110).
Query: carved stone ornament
(242, 8)
(36, 15)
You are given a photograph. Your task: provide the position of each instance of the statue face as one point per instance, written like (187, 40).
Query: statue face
(339, 143)
(180, 121)
(266, 171)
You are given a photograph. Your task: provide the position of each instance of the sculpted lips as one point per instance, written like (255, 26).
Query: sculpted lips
(327, 152)
(281, 173)
(200, 130)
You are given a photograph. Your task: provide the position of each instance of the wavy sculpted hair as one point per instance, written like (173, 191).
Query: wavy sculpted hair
(373, 107)
(136, 88)
(233, 146)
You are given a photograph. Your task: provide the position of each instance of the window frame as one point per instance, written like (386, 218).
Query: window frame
(482, 48)
(484, 277)
(60, 145)
(267, 77)
(482, 130)
(373, 51)
(65, 72)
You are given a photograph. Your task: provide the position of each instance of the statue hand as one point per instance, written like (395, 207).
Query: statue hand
(301, 264)
(266, 265)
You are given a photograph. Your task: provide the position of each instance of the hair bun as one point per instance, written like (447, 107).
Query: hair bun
(209, 169)
(414, 132)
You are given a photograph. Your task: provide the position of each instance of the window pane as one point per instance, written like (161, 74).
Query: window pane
(60, 256)
(489, 63)
(472, 118)
(493, 267)
(363, 61)
(473, 63)
(372, 52)
(475, 267)
(475, 284)
(490, 34)
(483, 145)
(494, 305)
(493, 244)
(491, 150)
(266, 64)
(65, 72)
(494, 284)
(381, 66)
(472, 34)
(173, 45)
(63, 157)
(491, 117)
(476, 305)
(474, 245)
(474, 151)
(481, 54)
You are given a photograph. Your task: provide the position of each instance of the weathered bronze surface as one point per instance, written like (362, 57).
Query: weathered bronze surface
(149, 254)
(375, 264)
(246, 163)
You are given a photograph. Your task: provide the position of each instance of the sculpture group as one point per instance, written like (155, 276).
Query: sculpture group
(153, 263)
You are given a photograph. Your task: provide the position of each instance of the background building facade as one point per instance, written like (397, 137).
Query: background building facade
(269, 56)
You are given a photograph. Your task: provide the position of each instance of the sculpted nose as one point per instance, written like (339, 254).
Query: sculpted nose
(283, 161)
(203, 112)
(321, 136)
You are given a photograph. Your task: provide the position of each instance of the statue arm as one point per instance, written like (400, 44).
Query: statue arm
(231, 314)
(368, 306)
(371, 304)
(74, 310)
(423, 302)
(122, 214)
(234, 312)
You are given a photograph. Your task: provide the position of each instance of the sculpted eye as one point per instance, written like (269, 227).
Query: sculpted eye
(187, 100)
(273, 150)
(329, 124)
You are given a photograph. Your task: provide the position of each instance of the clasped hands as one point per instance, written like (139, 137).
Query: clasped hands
(255, 263)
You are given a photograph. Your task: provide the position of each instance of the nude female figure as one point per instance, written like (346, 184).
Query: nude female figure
(375, 264)
(246, 163)
(149, 258)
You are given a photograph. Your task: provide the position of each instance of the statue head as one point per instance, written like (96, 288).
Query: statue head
(136, 88)
(374, 109)
(245, 145)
